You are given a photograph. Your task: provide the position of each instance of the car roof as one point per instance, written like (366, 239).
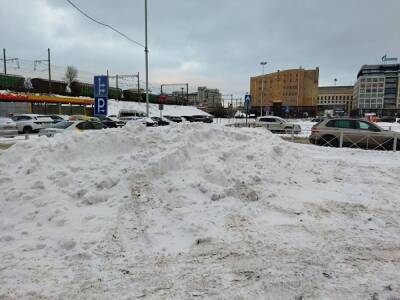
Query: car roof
(274, 117)
(26, 115)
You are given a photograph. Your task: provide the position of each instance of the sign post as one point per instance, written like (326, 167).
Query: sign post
(162, 98)
(247, 100)
(100, 95)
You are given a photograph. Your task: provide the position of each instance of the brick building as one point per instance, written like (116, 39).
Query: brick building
(286, 93)
(336, 99)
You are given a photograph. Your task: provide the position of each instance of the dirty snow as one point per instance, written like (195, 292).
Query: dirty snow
(196, 211)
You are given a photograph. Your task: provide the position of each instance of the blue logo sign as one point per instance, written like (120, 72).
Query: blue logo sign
(100, 86)
(247, 98)
(100, 106)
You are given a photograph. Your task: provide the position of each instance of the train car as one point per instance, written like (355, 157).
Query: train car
(82, 89)
(114, 93)
(12, 82)
(42, 86)
(132, 96)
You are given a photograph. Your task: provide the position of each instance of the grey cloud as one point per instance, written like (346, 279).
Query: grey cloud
(218, 43)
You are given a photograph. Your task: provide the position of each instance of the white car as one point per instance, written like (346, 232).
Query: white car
(28, 123)
(149, 122)
(8, 128)
(64, 126)
(277, 125)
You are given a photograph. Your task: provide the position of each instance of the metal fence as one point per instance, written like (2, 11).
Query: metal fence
(390, 140)
(364, 140)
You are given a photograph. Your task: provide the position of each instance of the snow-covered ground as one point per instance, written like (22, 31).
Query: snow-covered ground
(114, 106)
(196, 211)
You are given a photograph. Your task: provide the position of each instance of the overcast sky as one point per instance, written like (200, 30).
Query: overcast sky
(217, 43)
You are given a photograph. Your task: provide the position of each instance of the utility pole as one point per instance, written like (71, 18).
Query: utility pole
(36, 62)
(5, 60)
(138, 87)
(146, 51)
(263, 63)
(119, 76)
(48, 59)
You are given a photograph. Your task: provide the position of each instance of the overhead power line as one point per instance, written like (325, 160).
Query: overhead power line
(103, 24)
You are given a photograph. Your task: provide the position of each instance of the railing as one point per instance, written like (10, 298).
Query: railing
(335, 137)
(370, 140)
(390, 140)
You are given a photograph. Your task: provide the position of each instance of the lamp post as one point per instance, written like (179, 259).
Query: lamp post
(335, 80)
(263, 63)
(146, 51)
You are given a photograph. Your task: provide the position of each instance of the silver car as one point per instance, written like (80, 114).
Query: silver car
(8, 128)
(277, 125)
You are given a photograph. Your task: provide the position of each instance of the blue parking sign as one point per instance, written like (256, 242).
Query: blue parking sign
(100, 106)
(100, 86)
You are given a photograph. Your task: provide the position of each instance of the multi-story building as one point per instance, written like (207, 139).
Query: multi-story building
(377, 90)
(292, 92)
(336, 99)
(209, 97)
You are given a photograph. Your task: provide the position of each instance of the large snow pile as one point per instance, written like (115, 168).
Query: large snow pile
(114, 106)
(196, 211)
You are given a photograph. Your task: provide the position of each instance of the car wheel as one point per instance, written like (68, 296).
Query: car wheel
(329, 141)
(288, 130)
(27, 130)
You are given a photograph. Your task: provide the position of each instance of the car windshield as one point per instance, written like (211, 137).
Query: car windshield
(112, 119)
(62, 125)
(281, 120)
(44, 118)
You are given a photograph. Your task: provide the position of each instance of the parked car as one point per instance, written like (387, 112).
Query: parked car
(357, 133)
(318, 119)
(28, 123)
(112, 122)
(8, 128)
(174, 119)
(388, 119)
(149, 122)
(200, 118)
(71, 125)
(130, 114)
(83, 118)
(277, 125)
(59, 118)
(160, 121)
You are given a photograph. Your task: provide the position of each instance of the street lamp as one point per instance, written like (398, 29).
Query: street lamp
(335, 80)
(146, 51)
(263, 63)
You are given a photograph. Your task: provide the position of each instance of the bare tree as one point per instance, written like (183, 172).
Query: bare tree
(71, 74)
